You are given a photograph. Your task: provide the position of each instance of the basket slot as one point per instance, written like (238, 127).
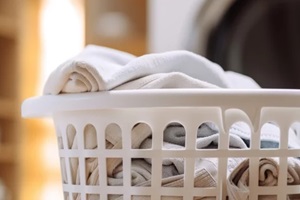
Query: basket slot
(267, 131)
(141, 136)
(75, 170)
(113, 136)
(90, 137)
(207, 136)
(71, 137)
(295, 126)
(92, 171)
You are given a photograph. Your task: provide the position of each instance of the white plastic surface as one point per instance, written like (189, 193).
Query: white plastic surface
(158, 108)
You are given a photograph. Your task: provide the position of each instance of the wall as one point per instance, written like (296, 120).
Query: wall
(169, 22)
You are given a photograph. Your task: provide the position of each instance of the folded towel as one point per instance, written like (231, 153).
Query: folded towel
(237, 80)
(238, 180)
(99, 68)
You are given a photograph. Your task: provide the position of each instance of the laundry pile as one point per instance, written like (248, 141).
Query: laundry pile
(101, 69)
(98, 69)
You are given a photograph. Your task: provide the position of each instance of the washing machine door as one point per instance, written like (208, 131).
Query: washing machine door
(258, 38)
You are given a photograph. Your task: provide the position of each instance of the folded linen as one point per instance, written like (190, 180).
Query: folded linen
(238, 180)
(99, 68)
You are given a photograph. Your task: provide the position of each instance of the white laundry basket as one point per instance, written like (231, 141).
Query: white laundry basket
(157, 109)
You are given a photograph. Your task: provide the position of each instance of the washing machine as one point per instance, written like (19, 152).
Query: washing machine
(259, 38)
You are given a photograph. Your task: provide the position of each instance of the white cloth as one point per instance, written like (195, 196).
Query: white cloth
(269, 133)
(99, 68)
(238, 180)
(237, 80)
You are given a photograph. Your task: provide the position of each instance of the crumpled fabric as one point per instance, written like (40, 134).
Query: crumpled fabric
(238, 180)
(99, 68)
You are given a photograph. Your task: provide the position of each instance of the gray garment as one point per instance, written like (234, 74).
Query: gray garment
(239, 136)
(207, 136)
(175, 133)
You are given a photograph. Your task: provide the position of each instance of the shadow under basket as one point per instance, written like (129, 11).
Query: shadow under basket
(176, 143)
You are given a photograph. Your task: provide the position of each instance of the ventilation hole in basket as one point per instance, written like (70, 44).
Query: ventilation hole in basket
(141, 136)
(66, 195)
(293, 196)
(90, 137)
(239, 136)
(63, 170)
(270, 136)
(93, 196)
(141, 172)
(137, 197)
(204, 197)
(235, 169)
(292, 166)
(114, 196)
(71, 137)
(59, 138)
(91, 171)
(207, 136)
(114, 168)
(294, 136)
(60, 142)
(76, 196)
(173, 167)
(205, 172)
(174, 136)
(268, 171)
(171, 197)
(269, 196)
(113, 136)
(74, 169)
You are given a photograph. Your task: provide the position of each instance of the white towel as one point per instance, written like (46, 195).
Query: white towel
(238, 180)
(237, 80)
(99, 68)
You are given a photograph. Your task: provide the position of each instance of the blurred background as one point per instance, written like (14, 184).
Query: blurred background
(259, 38)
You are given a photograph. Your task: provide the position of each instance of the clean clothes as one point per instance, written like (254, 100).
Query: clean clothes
(99, 68)
(238, 180)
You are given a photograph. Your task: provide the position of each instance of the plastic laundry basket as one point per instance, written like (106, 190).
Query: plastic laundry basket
(156, 109)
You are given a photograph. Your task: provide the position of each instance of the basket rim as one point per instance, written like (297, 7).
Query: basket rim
(47, 105)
